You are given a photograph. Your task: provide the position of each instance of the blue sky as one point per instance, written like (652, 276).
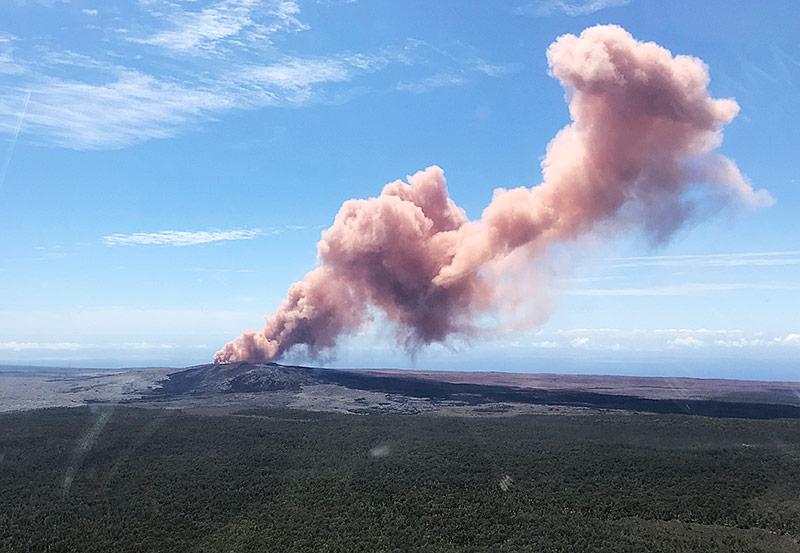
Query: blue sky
(166, 168)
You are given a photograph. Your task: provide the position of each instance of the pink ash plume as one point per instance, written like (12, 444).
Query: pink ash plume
(643, 132)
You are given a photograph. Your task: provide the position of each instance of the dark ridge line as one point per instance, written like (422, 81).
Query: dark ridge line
(445, 390)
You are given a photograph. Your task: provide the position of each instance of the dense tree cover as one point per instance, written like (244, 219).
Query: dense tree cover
(274, 480)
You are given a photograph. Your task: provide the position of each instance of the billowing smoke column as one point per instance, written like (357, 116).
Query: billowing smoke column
(643, 133)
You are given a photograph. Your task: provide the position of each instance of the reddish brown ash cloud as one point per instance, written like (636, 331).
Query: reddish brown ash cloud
(643, 132)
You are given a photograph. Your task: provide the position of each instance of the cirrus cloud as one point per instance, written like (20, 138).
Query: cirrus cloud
(546, 8)
(180, 237)
(168, 66)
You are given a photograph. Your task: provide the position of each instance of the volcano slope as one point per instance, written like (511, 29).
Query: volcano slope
(396, 391)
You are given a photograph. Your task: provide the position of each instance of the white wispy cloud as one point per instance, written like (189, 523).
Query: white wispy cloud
(167, 66)
(298, 73)
(71, 58)
(205, 29)
(573, 331)
(685, 289)
(550, 7)
(48, 3)
(546, 344)
(121, 324)
(294, 81)
(191, 238)
(433, 82)
(496, 70)
(467, 69)
(740, 342)
(701, 331)
(8, 65)
(179, 237)
(687, 341)
(660, 339)
(580, 343)
(130, 108)
(78, 346)
(747, 259)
